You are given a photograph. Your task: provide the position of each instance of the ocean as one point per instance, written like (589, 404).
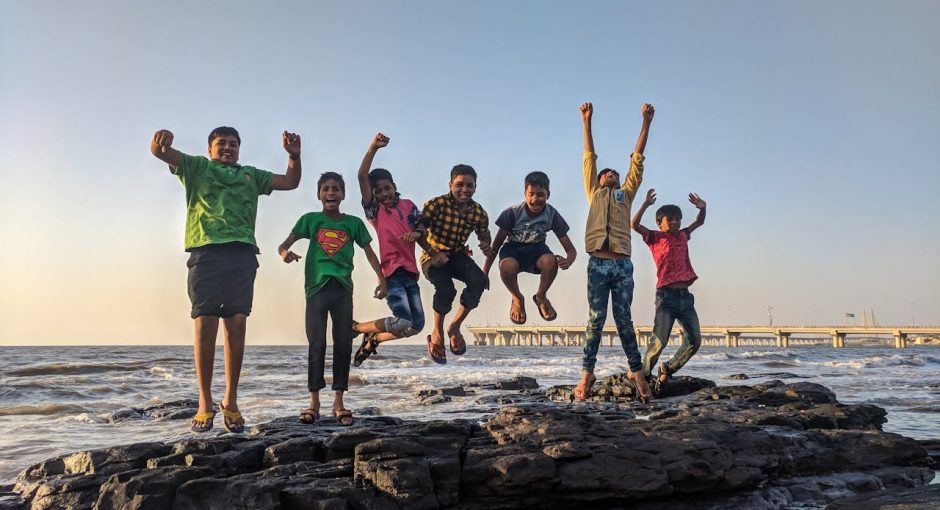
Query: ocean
(55, 400)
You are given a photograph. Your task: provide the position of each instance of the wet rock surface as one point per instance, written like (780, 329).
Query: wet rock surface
(772, 445)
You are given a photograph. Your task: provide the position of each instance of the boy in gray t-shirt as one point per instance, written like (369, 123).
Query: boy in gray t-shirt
(525, 226)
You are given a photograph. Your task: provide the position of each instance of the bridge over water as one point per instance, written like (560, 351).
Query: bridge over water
(715, 336)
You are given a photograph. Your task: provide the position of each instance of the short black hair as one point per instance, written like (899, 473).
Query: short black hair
(606, 170)
(462, 170)
(537, 179)
(224, 131)
(668, 211)
(326, 176)
(379, 174)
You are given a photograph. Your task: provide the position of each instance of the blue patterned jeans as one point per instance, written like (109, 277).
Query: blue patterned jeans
(607, 277)
(673, 305)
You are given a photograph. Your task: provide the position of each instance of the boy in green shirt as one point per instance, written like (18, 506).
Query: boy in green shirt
(221, 205)
(328, 287)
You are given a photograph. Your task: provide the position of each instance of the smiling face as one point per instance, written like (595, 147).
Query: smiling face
(535, 198)
(330, 194)
(384, 192)
(462, 187)
(224, 149)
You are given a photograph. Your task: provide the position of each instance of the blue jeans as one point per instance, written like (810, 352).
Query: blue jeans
(610, 277)
(673, 305)
(404, 299)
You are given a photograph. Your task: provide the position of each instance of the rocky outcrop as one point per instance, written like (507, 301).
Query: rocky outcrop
(766, 446)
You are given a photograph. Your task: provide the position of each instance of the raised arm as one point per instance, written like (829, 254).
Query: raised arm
(161, 147)
(284, 249)
(587, 110)
(650, 200)
(381, 290)
(291, 179)
(648, 112)
(700, 219)
(590, 158)
(365, 189)
(631, 183)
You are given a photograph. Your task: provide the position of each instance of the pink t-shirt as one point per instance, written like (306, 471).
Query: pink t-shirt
(390, 223)
(671, 255)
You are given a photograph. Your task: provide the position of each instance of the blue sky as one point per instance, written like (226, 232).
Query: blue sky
(809, 127)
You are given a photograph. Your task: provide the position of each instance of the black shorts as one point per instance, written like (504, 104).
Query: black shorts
(221, 280)
(527, 255)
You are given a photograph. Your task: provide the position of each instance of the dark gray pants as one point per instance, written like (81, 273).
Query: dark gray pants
(335, 299)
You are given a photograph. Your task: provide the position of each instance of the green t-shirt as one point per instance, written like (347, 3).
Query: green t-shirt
(330, 253)
(221, 200)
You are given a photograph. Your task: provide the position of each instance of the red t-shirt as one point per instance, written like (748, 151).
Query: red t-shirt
(671, 255)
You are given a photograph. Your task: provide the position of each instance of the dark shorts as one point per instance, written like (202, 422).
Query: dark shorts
(221, 280)
(527, 255)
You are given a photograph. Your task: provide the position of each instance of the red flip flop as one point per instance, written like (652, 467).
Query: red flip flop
(458, 345)
(437, 352)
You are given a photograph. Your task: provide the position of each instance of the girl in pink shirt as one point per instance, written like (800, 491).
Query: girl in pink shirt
(397, 222)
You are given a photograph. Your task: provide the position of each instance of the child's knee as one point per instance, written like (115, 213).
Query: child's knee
(399, 327)
(547, 262)
(509, 266)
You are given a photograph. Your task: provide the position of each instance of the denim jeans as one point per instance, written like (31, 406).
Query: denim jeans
(673, 305)
(610, 277)
(404, 299)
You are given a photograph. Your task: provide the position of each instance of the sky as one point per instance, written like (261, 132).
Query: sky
(810, 128)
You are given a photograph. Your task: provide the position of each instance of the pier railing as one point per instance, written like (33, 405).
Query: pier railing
(715, 336)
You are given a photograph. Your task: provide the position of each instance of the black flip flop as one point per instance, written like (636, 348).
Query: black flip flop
(549, 318)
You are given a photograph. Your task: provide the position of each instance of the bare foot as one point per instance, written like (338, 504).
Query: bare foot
(644, 393)
(583, 390)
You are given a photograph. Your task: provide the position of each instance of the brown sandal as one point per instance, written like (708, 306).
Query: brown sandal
(309, 416)
(344, 417)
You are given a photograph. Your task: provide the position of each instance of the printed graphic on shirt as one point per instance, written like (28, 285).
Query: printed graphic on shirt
(332, 240)
(619, 196)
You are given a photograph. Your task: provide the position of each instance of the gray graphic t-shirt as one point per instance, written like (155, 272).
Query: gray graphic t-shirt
(526, 228)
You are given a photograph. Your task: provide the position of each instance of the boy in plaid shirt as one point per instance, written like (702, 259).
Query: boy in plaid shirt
(450, 220)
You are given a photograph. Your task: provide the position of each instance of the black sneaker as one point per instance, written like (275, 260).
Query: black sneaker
(366, 349)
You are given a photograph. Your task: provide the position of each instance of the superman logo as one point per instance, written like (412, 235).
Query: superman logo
(332, 240)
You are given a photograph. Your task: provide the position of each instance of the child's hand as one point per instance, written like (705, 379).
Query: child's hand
(291, 143)
(163, 139)
(486, 249)
(378, 142)
(289, 256)
(651, 197)
(439, 259)
(587, 109)
(381, 290)
(562, 262)
(411, 236)
(648, 112)
(696, 200)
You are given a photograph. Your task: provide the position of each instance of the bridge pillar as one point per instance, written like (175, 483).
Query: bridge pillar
(838, 340)
(900, 340)
(505, 338)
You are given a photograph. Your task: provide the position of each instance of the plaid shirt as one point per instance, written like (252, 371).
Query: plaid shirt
(448, 228)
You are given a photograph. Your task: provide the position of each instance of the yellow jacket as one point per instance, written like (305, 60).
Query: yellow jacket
(609, 214)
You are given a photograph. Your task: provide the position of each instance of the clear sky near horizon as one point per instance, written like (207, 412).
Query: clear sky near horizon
(810, 128)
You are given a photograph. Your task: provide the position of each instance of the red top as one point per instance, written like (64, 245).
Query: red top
(671, 255)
